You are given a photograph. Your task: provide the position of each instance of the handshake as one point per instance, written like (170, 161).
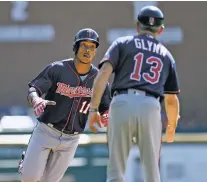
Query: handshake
(97, 119)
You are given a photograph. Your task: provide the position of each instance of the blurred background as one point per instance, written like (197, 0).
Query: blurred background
(33, 34)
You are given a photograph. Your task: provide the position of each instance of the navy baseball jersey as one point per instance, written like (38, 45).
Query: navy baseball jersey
(142, 62)
(60, 82)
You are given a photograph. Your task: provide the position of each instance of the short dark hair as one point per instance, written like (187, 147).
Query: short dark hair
(153, 29)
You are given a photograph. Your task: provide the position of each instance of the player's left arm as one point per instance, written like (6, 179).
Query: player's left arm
(172, 106)
(171, 90)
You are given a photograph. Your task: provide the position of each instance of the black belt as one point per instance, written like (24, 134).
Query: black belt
(125, 91)
(61, 129)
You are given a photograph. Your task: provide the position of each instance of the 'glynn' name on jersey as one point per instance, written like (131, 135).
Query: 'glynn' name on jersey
(150, 46)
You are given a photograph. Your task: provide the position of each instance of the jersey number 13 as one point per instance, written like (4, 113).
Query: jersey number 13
(154, 69)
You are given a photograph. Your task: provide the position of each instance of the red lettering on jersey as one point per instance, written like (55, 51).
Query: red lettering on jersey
(154, 74)
(66, 90)
(155, 70)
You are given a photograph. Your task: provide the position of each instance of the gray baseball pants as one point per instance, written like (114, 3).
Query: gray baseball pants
(134, 115)
(48, 155)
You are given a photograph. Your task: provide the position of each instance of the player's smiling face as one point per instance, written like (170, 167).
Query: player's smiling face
(86, 51)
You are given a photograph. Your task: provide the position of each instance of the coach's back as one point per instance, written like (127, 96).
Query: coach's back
(142, 62)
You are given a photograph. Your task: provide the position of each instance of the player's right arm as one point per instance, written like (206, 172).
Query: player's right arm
(104, 105)
(172, 106)
(106, 66)
(39, 86)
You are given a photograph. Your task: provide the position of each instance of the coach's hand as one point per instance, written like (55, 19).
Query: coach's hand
(170, 131)
(94, 118)
(39, 105)
(170, 134)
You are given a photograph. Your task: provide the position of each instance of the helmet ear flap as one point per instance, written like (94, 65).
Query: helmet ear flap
(75, 47)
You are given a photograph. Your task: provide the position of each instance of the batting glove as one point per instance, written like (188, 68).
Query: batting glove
(105, 118)
(40, 104)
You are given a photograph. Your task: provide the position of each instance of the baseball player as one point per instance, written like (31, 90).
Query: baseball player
(62, 113)
(144, 71)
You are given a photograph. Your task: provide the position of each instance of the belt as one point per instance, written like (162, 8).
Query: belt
(134, 91)
(61, 129)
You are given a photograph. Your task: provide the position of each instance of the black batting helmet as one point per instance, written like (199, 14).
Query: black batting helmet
(151, 16)
(85, 34)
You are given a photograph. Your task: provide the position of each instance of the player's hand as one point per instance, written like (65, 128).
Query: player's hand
(170, 133)
(40, 104)
(94, 118)
(105, 118)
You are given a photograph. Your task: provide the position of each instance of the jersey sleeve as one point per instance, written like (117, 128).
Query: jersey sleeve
(105, 100)
(112, 55)
(172, 85)
(44, 80)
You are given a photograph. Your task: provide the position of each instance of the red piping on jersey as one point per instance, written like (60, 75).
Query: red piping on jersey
(73, 99)
(75, 114)
(79, 101)
(172, 92)
(68, 116)
(37, 88)
(90, 78)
